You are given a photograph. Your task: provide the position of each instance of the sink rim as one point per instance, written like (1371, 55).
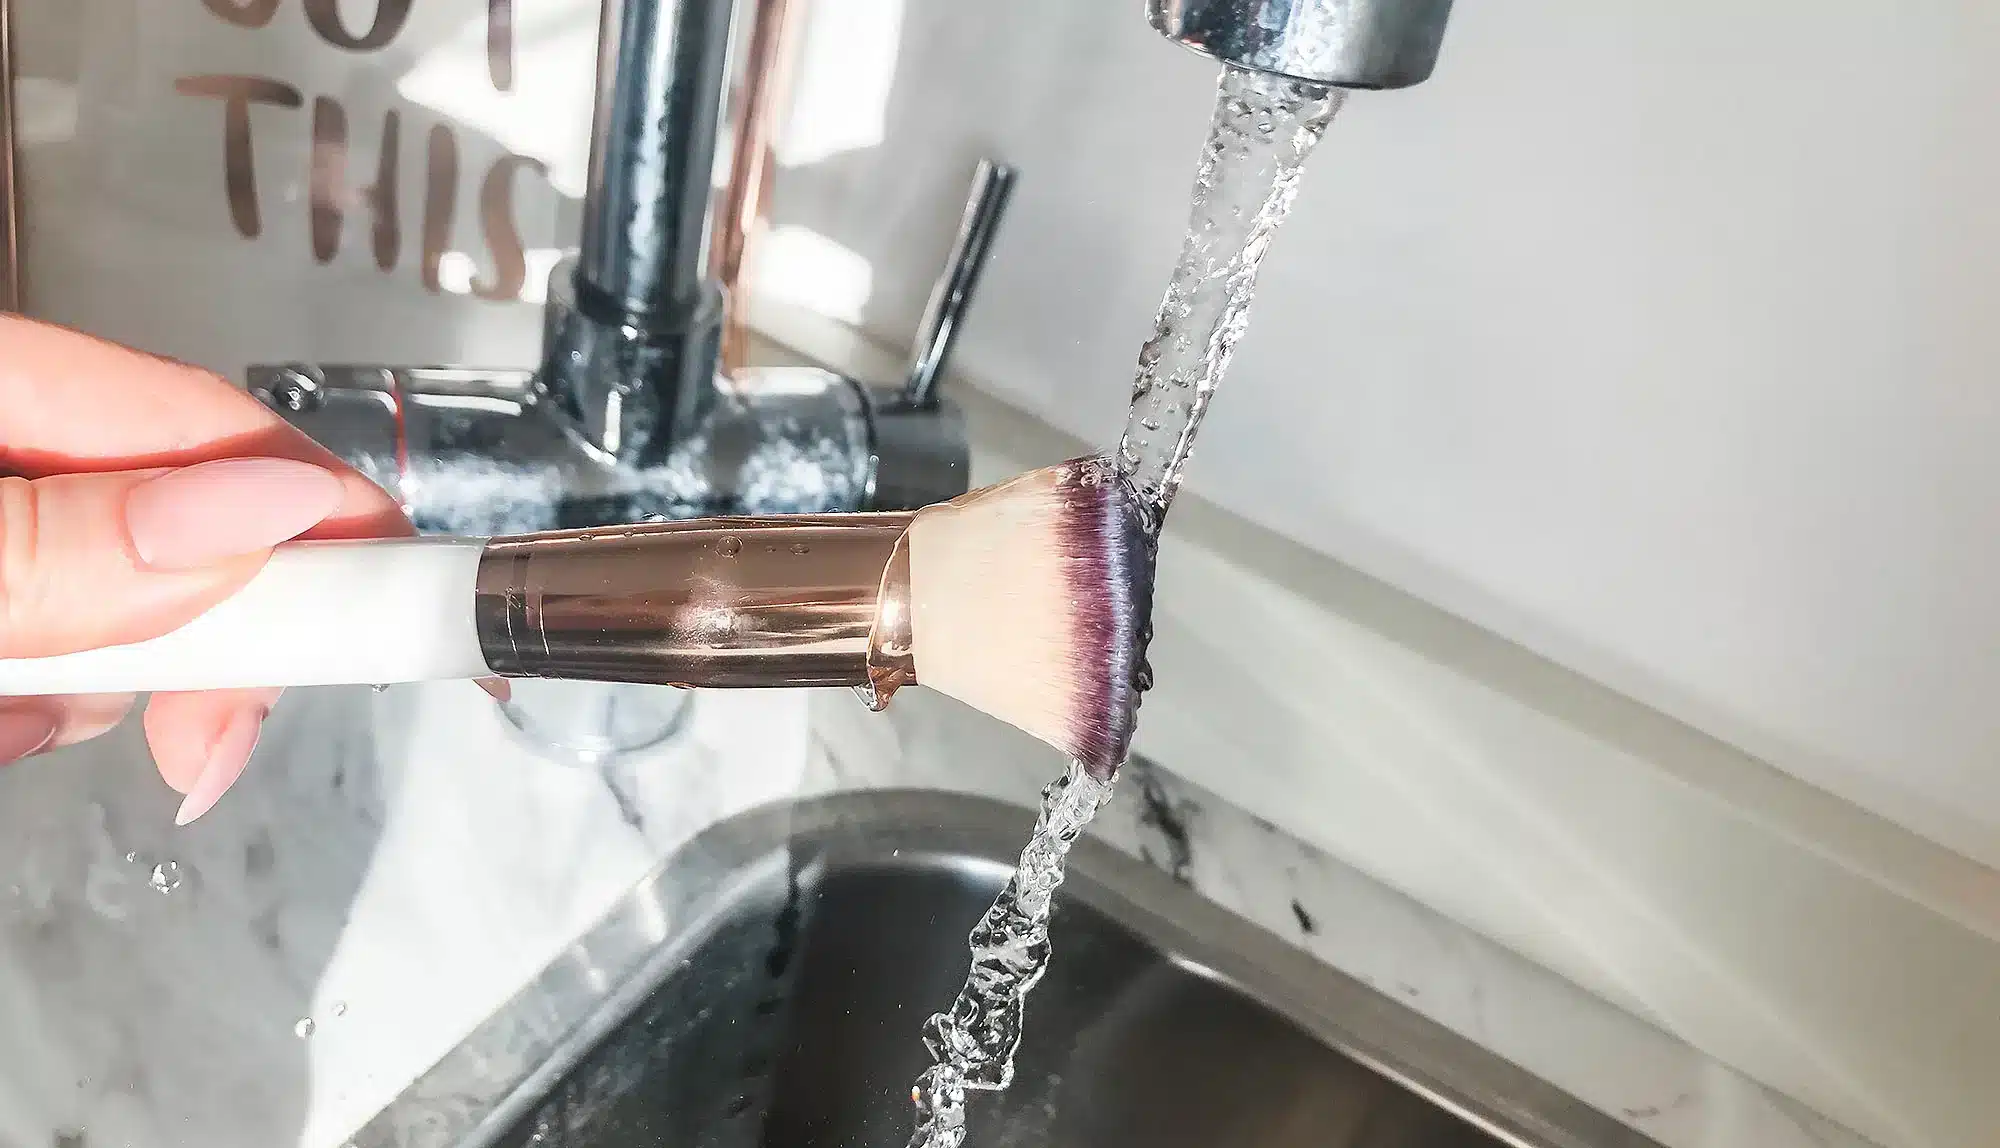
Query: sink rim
(645, 937)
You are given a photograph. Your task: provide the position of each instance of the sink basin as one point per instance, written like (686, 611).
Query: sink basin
(773, 977)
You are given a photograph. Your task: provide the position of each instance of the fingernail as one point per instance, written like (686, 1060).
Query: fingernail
(23, 732)
(215, 510)
(226, 760)
(499, 689)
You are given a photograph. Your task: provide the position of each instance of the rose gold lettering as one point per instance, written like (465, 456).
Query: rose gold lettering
(244, 13)
(500, 44)
(382, 197)
(332, 198)
(390, 16)
(440, 204)
(328, 181)
(503, 237)
(239, 167)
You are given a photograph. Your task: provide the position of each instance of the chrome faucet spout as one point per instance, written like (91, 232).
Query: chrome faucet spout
(1340, 43)
(643, 250)
(633, 326)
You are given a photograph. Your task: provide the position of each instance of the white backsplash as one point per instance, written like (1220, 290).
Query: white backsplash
(1818, 948)
(1654, 337)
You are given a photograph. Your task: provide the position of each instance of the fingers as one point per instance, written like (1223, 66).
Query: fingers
(85, 716)
(29, 726)
(90, 560)
(203, 741)
(94, 424)
(70, 403)
(101, 559)
(26, 729)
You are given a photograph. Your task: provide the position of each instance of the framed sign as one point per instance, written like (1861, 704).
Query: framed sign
(236, 181)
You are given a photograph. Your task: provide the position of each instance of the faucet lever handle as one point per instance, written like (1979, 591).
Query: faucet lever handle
(992, 183)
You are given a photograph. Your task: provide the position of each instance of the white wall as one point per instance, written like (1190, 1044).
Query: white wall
(1811, 945)
(1654, 337)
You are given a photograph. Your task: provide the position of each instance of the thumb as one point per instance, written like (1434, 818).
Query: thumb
(90, 560)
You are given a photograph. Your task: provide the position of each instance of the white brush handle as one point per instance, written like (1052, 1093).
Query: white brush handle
(319, 613)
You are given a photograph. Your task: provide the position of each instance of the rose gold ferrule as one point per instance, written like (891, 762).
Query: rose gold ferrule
(892, 660)
(724, 602)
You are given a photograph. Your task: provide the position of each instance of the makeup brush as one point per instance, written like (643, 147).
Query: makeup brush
(1023, 600)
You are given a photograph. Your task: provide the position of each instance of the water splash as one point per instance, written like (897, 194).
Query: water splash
(756, 453)
(1263, 129)
(972, 1045)
(165, 878)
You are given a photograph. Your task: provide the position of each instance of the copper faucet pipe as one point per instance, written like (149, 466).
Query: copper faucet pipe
(10, 199)
(766, 84)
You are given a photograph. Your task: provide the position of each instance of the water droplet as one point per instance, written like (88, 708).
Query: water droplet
(131, 858)
(304, 1028)
(381, 688)
(730, 546)
(586, 536)
(801, 548)
(340, 1008)
(166, 877)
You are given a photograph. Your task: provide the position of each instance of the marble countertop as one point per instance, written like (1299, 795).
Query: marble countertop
(397, 864)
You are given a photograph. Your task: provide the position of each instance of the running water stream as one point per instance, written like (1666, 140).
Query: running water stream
(1263, 129)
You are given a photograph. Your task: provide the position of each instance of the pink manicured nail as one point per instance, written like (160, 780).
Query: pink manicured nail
(215, 510)
(226, 760)
(23, 732)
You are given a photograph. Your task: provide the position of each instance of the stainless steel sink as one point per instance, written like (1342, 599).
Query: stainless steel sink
(766, 987)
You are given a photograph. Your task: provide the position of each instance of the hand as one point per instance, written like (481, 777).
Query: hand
(135, 493)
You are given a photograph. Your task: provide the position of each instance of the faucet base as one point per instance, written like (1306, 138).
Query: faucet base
(485, 452)
(629, 384)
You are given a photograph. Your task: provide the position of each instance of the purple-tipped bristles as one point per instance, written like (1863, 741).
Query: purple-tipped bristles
(1110, 574)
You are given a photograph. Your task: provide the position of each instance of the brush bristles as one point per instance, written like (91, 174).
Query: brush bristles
(1026, 603)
